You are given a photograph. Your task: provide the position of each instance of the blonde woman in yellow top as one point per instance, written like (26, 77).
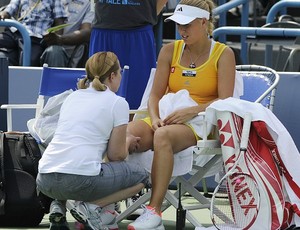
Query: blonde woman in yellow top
(198, 64)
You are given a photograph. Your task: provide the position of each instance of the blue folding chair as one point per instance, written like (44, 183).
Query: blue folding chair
(53, 81)
(260, 84)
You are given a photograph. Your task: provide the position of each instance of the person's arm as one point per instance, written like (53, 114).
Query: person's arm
(10, 10)
(75, 38)
(160, 5)
(59, 14)
(160, 83)
(116, 150)
(226, 74)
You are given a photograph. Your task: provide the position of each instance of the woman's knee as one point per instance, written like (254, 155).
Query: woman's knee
(161, 137)
(176, 137)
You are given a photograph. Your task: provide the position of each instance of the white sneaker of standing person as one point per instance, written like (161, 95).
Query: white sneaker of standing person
(93, 216)
(149, 220)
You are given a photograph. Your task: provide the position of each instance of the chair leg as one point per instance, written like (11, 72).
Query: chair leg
(204, 186)
(142, 200)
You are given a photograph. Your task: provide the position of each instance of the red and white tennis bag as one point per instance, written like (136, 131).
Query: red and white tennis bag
(261, 160)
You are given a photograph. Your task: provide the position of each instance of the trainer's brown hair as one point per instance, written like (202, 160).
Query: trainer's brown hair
(99, 67)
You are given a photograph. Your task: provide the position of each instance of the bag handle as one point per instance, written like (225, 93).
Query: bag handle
(2, 178)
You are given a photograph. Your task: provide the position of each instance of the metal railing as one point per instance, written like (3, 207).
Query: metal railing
(224, 7)
(275, 9)
(257, 31)
(244, 31)
(25, 35)
(222, 10)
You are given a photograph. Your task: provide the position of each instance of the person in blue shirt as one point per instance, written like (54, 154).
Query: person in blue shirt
(36, 17)
(71, 48)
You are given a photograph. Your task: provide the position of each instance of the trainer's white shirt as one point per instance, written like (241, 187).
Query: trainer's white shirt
(87, 118)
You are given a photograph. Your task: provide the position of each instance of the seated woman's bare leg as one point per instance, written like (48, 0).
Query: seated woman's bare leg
(167, 141)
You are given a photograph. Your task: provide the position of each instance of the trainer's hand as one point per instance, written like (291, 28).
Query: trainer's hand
(132, 143)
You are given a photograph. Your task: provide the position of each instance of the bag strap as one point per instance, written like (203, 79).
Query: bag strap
(32, 150)
(20, 146)
(2, 179)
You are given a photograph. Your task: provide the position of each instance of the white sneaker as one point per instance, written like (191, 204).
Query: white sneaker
(149, 220)
(96, 218)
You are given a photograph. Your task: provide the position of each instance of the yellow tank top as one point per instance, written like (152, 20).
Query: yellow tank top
(201, 82)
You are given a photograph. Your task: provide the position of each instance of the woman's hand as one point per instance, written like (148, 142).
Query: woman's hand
(181, 116)
(157, 123)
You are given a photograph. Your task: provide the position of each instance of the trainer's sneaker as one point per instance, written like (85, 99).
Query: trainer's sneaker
(57, 216)
(92, 216)
(149, 220)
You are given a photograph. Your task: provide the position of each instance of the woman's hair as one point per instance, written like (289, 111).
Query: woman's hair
(99, 67)
(207, 5)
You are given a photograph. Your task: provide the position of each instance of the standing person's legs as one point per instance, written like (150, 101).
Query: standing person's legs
(141, 58)
(135, 48)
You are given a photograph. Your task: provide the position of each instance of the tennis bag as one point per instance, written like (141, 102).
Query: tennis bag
(20, 205)
(262, 161)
